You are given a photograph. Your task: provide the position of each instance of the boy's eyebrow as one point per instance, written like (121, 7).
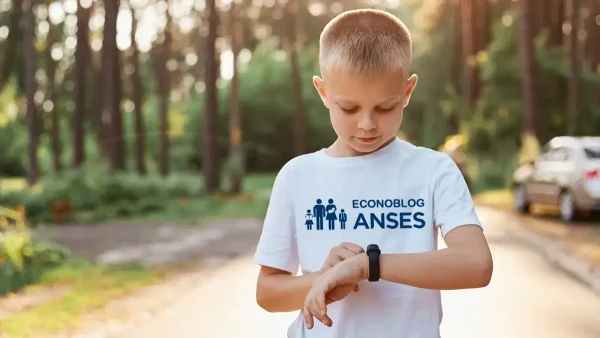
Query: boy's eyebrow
(341, 99)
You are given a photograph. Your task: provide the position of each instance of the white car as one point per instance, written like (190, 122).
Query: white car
(566, 174)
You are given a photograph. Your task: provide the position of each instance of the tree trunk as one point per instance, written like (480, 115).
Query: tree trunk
(469, 25)
(81, 56)
(101, 117)
(529, 69)
(97, 83)
(111, 90)
(11, 42)
(558, 19)
(235, 122)
(299, 121)
(572, 13)
(165, 89)
(54, 112)
(210, 158)
(593, 35)
(457, 62)
(545, 14)
(30, 88)
(483, 24)
(136, 84)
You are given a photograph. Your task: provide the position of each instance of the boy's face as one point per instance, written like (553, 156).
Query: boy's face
(365, 114)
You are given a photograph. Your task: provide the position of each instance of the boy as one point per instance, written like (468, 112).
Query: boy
(394, 194)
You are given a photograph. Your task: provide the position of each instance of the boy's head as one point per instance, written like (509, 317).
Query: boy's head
(365, 57)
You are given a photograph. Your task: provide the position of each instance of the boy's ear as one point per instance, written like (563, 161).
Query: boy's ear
(410, 87)
(320, 86)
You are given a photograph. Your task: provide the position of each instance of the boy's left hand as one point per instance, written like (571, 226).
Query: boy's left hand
(346, 274)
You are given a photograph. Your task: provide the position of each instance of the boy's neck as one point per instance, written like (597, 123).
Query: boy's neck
(339, 148)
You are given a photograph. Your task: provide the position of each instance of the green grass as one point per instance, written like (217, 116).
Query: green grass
(91, 287)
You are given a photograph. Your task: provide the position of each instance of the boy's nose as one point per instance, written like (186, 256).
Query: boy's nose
(366, 122)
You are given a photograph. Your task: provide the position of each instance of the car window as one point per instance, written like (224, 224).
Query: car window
(564, 154)
(592, 153)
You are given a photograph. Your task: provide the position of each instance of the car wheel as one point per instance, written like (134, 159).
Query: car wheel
(520, 199)
(567, 207)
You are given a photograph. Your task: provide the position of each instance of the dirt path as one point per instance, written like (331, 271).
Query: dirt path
(527, 298)
(194, 252)
(160, 243)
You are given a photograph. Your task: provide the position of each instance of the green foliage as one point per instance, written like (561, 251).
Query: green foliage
(96, 194)
(493, 126)
(266, 99)
(24, 260)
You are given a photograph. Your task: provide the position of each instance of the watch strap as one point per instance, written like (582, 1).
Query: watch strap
(373, 253)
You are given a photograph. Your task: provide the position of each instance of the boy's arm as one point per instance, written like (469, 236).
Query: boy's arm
(465, 263)
(280, 291)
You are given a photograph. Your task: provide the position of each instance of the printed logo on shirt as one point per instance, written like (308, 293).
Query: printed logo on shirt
(326, 215)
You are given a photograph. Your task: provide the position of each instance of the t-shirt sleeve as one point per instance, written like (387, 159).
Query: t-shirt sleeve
(277, 246)
(452, 202)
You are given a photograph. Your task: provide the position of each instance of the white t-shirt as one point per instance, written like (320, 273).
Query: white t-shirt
(397, 197)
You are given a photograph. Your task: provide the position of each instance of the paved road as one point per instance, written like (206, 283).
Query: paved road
(527, 298)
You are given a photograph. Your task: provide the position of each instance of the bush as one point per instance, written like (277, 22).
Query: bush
(23, 260)
(96, 194)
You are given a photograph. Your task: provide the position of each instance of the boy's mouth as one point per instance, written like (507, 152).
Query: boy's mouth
(367, 139)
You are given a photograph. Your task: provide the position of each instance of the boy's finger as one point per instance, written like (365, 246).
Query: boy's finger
(355, 248)
(315, 310)
(322, 307)
(327, 321)
(345, 254)
(308, 318)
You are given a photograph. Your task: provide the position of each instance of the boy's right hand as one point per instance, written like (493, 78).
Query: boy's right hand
(340, 253)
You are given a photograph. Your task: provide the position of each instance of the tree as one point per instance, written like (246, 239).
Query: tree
(164, 88)
(30, 88)
(136, 84)
(82, 53)
(299, 124)
(210, 158)
(235, 122)
(593, 35)
(572, 13)
(529, 68)
(11, 43)
(557, 21)
(52, 94)
(470, 49)
(112, 88)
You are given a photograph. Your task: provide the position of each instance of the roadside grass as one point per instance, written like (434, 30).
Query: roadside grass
(89, 287)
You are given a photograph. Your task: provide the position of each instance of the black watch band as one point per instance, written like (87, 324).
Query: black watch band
(373, 252)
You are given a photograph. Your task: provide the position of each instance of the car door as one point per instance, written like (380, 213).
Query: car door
(536, 184)
(559, 172)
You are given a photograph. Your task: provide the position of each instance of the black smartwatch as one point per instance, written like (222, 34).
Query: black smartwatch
(373, 252)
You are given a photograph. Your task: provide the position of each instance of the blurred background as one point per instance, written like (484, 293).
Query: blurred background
(135, 134)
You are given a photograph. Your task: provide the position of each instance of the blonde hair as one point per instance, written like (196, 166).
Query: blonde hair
(366, 42)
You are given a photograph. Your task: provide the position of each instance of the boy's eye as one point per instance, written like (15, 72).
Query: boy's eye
(349, 110)
(385, 110)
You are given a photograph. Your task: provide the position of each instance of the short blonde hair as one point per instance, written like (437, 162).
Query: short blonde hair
(366, 42)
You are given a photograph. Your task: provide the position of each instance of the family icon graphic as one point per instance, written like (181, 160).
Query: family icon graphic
(321, 212)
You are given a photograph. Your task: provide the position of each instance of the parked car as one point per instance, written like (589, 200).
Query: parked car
(566, 174)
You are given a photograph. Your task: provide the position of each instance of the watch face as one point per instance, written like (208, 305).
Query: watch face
(373, 248)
